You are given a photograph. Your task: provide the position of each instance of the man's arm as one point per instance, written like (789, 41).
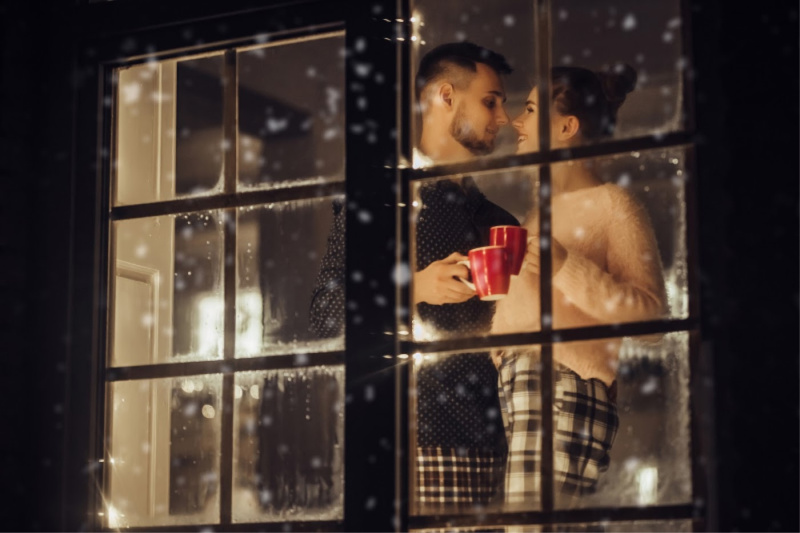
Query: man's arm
(326, 316)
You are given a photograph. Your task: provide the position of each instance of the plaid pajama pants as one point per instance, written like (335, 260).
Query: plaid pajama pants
(461, 446)
(460, 477)
(585, 423)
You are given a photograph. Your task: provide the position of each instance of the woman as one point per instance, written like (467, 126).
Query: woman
(606, 269)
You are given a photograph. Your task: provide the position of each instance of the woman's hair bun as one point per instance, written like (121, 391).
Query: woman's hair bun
(617, 83)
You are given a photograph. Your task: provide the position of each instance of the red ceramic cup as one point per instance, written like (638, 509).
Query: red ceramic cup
(489, 270)
(515, 241)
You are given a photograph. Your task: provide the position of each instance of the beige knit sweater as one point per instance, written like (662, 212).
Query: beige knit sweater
(612, 274)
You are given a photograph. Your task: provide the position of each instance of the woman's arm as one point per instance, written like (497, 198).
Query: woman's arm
(632, 289)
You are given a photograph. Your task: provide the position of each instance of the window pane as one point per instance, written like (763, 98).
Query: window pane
(162, 459)
(618, 442)
(290, 294)
(169, 130)
(288, 445)
(471, 129)
(619, 252)
(637, 526)
(641, 526)
(635, 225)
(167, 289)
(647, 37)
(616, 445)
(648, 463)
(456, 214)
(483, 529)
(456, 427)
(291, 112)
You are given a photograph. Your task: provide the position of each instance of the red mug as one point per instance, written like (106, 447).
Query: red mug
(515, 241)
(489, 270)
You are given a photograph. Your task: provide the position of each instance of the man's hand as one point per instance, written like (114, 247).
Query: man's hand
(435, 284)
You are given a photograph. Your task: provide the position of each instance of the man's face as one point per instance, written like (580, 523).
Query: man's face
(479, 112)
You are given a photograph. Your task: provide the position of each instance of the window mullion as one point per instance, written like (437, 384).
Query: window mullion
(230, 174)
(542, 25)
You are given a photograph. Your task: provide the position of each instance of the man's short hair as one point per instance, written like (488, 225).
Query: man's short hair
(457, 62)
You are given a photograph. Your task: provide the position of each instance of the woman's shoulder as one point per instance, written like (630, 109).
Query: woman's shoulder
(620, 199)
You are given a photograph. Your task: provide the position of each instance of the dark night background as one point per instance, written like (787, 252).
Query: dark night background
(746, 59)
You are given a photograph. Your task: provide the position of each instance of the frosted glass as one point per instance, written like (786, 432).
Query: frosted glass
(162, 454)
(167, 289)
(288, 445)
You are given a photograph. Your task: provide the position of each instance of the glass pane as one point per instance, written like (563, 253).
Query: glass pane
(169, 130)
(290, 275)
(289, 445)
(456, 427)
(603, 38)
(467, 120)
(648, 463)
(622, 444)
(291, 112)
(527, 528)
(637, 526)
(640, 526)
(457, 214)
(619, 251)
(167, 289)
(162, 456)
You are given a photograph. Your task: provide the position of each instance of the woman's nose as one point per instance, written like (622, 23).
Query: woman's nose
(517, 123)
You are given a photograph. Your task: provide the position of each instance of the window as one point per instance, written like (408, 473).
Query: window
(564, 400)
(224, 396)
(224, 384)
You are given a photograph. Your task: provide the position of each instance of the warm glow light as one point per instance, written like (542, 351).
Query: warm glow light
(647, 479)
(114, 517)
(208, 327)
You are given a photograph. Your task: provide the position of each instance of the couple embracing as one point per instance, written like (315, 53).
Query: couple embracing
(479, 414)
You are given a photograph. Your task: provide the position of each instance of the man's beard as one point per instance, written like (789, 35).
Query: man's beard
(463, 132)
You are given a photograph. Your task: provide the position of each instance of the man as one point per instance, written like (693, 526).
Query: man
(460, 439)
(461, 444)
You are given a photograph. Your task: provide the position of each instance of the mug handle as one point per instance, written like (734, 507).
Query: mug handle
(464, 281)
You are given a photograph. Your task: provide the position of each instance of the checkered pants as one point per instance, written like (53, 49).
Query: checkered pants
(450, 476)
(585, 423)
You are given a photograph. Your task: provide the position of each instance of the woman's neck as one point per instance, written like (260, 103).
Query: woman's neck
(572, 176)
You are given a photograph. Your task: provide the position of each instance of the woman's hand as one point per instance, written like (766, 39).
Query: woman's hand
(436, 285)
(532, 261)
(497, 357)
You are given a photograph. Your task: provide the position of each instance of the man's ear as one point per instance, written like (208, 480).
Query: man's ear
(445, 95)
(569, 127)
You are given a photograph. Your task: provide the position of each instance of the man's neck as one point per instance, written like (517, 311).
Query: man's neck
(442, 148)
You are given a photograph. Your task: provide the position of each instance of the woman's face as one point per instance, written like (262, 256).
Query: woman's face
(527, 126)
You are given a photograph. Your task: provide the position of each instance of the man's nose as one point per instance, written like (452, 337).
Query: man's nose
(502, 117)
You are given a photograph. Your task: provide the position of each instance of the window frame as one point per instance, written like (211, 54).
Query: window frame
(98, 97)
(696, 510)
(375, 178)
